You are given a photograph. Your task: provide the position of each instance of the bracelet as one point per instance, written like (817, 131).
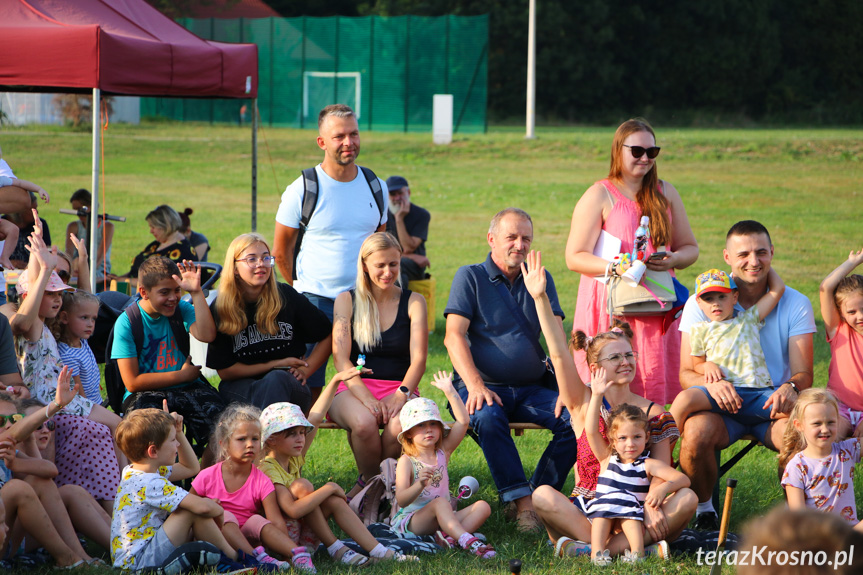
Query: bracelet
(793, 386)
(54, 401)
(47, 415)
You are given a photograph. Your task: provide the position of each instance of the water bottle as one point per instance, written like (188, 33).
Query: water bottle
(642, 234)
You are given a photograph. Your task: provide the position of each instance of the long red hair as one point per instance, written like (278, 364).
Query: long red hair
(650, 200)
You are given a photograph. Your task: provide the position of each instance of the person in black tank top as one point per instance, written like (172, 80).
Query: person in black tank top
(387, 324)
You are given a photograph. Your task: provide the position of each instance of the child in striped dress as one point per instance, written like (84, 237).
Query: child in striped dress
(74, 326)
(623, 487)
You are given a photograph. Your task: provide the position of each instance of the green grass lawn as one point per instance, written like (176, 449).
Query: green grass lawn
(802, 184)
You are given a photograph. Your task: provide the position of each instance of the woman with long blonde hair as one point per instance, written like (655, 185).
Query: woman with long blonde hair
(386, 324)
(615, 205)
(263, 327)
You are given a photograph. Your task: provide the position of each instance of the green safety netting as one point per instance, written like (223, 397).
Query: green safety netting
(387, 69)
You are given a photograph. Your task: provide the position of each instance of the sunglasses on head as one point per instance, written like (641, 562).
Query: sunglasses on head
(15, 417)
(638, 151)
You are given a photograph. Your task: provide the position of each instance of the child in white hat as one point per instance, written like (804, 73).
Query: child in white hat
(422, 482)
(286, 437)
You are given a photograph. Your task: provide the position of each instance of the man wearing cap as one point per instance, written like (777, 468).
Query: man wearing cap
(786, 339)
(410, 224)
(345, 214)
(492, 336)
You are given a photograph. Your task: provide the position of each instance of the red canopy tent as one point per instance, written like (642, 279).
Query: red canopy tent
(123, 47)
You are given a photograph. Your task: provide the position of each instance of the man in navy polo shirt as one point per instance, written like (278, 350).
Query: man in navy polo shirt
(499, 372)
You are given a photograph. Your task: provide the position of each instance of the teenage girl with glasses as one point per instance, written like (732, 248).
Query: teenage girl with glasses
(263, 327)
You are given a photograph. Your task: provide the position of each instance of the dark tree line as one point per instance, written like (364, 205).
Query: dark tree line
(597, 60)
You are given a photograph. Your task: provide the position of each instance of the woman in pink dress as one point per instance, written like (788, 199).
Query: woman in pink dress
(616, 205)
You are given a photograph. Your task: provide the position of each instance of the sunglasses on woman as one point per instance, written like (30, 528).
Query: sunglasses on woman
(638, 151)
(11, 418)
(49, 425)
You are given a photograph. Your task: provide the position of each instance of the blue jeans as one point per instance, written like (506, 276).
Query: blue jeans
(324, 304)
(524, 404)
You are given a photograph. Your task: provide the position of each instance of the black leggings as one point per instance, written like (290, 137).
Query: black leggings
(275, 386)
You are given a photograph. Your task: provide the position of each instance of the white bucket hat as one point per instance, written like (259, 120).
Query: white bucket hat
(281, 416)
(418, 411)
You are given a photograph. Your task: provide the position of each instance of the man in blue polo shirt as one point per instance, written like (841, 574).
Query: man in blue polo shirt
(500, 373)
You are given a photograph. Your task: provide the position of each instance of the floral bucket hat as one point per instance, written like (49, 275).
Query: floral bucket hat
(281, 416)
(418, 411)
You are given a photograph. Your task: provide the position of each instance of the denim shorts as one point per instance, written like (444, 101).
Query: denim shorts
(751, 418)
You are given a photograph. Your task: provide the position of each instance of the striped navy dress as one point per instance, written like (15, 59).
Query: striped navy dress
(620, 491)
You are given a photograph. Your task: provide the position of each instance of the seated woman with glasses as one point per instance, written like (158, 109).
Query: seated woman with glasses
(615, 205)
(263, 327)
(610, 356)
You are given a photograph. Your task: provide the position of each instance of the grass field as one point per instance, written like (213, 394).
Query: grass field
(802, 184)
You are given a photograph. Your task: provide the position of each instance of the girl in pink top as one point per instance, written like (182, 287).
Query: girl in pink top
(615, 205)
(842, 310)
(252, 513)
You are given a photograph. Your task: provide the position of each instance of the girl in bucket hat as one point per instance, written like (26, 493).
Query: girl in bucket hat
(422, 482)
(286, 436)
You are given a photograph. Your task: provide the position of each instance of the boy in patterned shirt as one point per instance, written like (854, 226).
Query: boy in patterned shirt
(727, 351)
(152, 517)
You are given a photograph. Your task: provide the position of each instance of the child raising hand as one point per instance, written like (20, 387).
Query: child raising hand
(624, 485)
(841, 298)
(422, 482)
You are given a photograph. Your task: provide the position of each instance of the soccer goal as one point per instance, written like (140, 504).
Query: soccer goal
(324, 88)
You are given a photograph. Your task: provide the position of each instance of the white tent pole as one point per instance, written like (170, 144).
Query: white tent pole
(94, 207)
(254, 164)
(531, 71)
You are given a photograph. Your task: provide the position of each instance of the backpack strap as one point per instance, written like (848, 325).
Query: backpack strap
(377, 192)
(310, 201)
(133, 312)
(181, 336)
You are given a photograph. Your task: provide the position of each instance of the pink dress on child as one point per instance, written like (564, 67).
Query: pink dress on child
(657, 373)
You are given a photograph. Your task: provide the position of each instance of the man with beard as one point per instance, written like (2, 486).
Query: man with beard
(492, 336)
(351, 204)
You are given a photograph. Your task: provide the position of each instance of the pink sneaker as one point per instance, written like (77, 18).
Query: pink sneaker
(302, 560)
(444, 540)
(480, 549)
(262, 557)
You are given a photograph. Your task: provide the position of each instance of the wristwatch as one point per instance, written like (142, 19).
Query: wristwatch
(405, 390)
(793, 386)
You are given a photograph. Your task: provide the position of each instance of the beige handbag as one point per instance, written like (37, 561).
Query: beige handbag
(622, 299)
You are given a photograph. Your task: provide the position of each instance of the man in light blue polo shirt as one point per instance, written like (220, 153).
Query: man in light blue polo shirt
(787, 342)
(500, 373)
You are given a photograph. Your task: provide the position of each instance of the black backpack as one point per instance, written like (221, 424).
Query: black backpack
(310, 201)
(114, 386)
